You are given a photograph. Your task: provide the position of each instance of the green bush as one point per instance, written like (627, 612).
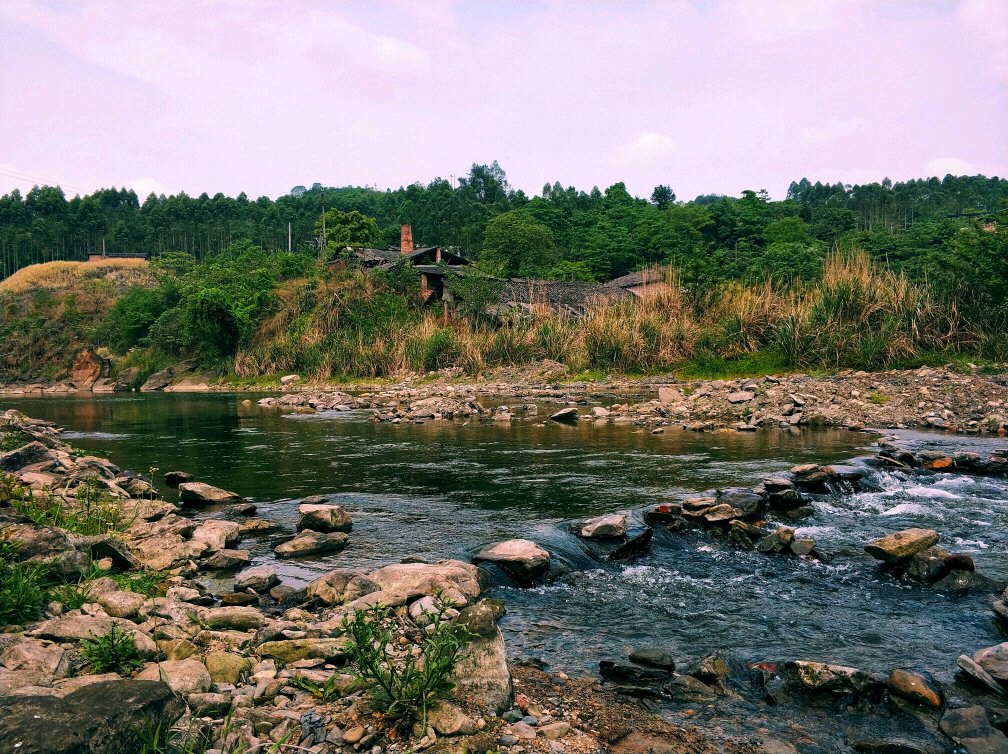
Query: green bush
(401, 685)
(114, 651)
(90, 511)
(22, 588)
(441, 350)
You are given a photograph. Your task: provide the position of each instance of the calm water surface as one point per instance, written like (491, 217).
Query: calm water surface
(442, 490)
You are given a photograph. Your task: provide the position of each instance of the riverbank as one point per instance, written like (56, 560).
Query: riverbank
(928, 397)
(716, 691)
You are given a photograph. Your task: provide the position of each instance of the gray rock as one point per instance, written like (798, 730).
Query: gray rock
(657, 658)
(107, 717)
(17, 459)
(323, 517)
(522, 559)
(970, 728)
(260, 578)
(568, 415)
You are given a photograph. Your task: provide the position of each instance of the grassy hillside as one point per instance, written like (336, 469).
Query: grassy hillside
(49, 312)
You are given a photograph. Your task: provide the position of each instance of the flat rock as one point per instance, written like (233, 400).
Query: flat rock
(310, 542)
(223, 560)
(109, 717)
(292, 650)
(522, 559)
(404, 582)
(200, 493)
(979, 676)
(654, 657)
(902, 545)
(741, 396)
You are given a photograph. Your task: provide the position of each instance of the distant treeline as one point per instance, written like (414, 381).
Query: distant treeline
(565, 232)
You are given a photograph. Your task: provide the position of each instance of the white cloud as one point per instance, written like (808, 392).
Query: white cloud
(988, 21)
(649, 146)
(146, 185)
(778, 19)
(942, 166)
(832, 130)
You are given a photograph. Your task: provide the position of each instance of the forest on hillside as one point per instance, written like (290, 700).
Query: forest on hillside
(833, 276)
(563, 233)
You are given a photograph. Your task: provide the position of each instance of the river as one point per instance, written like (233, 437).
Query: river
(442, 490)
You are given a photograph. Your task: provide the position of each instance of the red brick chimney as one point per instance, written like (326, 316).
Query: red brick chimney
(406, 239)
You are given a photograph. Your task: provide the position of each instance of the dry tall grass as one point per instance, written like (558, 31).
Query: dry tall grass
(64, 275)
(858, 315)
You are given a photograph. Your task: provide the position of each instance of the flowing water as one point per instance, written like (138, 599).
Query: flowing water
(442, 490)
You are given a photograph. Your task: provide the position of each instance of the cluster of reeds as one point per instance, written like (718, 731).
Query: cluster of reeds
(857, 315)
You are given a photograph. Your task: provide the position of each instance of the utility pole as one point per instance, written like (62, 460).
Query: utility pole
(288, 238)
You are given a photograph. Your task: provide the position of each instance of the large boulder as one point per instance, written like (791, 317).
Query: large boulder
(30, 662)
(17, 459)
(109, 717)
(482, 677)
(995, 661)
(261, 578)
(340, 587)
(87, 369)
(612, 526)
(217, 535)
(902, 545)
(227, 667)
(971, 729)
(404, 582)
(323, 517)
(75, 626)
(310, 542)
(200, 493)
(522, 559)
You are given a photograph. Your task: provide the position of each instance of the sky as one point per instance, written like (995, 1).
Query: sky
(707, 97)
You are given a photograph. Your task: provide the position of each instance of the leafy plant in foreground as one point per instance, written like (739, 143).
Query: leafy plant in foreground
(402, 685)
(325, 692)
(22, 588)
(115, 651)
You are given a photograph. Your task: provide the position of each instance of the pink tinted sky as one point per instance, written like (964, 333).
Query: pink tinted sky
(239, 95)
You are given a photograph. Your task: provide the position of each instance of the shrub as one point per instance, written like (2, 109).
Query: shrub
(113, 651)
(22, 588)
(401, 685)
(90, 511)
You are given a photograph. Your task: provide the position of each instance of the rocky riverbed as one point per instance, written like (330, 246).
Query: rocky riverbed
(926, 397)
(229, 638)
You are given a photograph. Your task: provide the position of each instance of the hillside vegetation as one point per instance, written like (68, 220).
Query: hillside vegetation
(50, 312)
(824, 280)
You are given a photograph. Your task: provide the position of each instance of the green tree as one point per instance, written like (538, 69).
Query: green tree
(517, 245)
(662, 196)
(341, 229)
